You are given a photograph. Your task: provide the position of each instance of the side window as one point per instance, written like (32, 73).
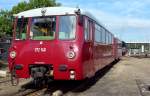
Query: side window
(97, 33)
(91, 29)
(107, 37)
(100, 30)
(110, 38)
(86, 29)
(103, 35)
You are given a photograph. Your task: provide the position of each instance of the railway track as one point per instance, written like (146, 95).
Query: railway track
(28, 92)
(38, 93)
(5, 81)
(27, 88)
(54, 88)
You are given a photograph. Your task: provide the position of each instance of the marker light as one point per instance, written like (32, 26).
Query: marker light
(71, 54)
(72, 74)
(13, 54)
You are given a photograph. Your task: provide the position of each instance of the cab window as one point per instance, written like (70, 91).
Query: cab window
(67, 27)
(43, 28)
(21, 29)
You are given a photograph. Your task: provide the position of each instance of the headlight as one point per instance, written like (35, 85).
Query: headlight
(12, 54)
(71, 54)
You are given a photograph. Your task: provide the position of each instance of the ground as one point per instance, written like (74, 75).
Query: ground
(122, 79)
(129, 77)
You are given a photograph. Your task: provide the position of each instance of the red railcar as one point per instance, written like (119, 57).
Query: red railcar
(60, 42)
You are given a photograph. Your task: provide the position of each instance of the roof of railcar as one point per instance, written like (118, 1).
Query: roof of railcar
(53, 11)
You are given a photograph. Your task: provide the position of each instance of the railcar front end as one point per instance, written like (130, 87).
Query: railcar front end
(46, 46)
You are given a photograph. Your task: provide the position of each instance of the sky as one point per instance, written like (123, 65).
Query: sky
(129, 20)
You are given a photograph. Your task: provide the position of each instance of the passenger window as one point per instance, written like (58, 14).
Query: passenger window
(103, 35)
(107, 37)
(97, 33)
(91, 30)
(86, 29)
(110, 38)
(100, 29)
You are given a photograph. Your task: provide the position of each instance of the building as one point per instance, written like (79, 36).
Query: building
(138, 48)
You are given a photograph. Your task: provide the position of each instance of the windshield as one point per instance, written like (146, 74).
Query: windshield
(43, 28)
(67, 26)
(21, 28)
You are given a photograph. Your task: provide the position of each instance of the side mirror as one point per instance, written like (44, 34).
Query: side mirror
(80, 20)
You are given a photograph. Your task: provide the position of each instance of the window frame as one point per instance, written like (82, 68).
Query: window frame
(98, 30)
(21, 30)
(103, 35)
(58, 24)
(86, 29)
(43, 39)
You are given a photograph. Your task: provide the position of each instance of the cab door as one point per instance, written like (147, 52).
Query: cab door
(91, 47)
(88, 66)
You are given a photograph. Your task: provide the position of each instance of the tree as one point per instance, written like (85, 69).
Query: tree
(5, 22)
(23, 6)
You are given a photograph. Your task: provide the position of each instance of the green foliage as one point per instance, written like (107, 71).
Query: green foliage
(23, 6)
(6, 16)
(5, 22)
